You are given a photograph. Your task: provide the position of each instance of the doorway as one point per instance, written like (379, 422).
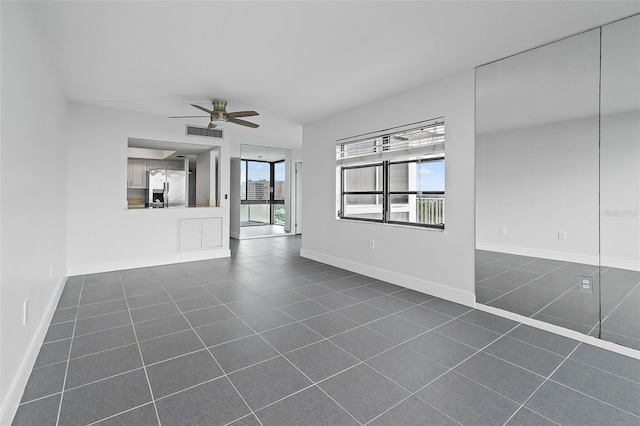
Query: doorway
(264, 192)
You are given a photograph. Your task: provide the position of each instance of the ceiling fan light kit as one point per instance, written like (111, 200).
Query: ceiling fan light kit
(219, 114)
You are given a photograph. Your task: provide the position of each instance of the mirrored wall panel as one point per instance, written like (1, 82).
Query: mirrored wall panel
(557, 183)
(620, 182)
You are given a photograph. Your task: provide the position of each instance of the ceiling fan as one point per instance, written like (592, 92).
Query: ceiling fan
(220, 114)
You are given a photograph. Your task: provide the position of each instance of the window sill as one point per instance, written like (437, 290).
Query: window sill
(395, 225)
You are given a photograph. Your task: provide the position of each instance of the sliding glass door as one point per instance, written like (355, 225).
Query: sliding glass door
(255, 193)
(262, 192)
(277, 201)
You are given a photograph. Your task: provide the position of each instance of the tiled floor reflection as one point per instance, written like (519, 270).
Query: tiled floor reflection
(549, 290)
(262, 231)
(270, 338)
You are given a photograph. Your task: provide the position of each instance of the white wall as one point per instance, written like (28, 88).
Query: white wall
(103, 234)
(619, 145)
(234, 199)
(431, 261)
(203, 179)
(33, 195)
(296, 191)
(535, 182)
(620, 190)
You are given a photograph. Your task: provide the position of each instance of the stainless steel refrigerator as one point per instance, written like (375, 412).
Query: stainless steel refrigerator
(167, 188)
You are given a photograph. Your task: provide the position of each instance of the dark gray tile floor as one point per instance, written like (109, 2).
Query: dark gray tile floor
(548, 290)
(225, 342)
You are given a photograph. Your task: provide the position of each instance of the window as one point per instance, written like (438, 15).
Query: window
(262, 192)
(397, 177)
(279, 180)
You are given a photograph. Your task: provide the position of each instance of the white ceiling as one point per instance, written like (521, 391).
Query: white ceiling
(295, 62)
(262, 153)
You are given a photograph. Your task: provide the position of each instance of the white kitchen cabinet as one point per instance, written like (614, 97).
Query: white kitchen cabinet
(157, 164)
(175, 165)
(137, 173)
(199, 233)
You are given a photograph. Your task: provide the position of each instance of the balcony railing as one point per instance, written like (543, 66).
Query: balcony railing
(420, 209)
(430, 211)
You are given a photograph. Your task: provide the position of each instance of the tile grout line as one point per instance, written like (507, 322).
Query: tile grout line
(480, 350)
(295, 321)
(102, 379)
(555, 300)
(593, 397)
(633, 339)
(621, 301)
(542, 384)
(327, 338)
(301, 322)
(119, 413)
(361, 362)
(135, 334)
(592, 328)
(528, 282)
(503, 272)
(313, 383)
(514, 364)
(66, 371)
(441, 375)
(41, 397)
(214, 359)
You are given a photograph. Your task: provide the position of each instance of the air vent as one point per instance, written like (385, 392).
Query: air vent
(203, 131)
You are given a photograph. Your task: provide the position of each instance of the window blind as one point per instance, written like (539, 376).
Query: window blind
(423, 141)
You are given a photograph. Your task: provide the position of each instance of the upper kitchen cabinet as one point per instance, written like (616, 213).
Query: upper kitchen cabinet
(136, 173)
(166, 165)
(175, 165)
(157, 164)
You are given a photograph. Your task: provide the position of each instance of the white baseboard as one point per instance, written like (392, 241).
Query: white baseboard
(12, 399)
(613, 347)
(632, 265)
(234, 235)
(413, 283)
(544, 254)
(143, 262)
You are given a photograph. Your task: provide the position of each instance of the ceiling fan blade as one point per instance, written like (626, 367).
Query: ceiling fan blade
(201, 108)
(241, 114)
(189, 116)
(211, 126)
(242, 122)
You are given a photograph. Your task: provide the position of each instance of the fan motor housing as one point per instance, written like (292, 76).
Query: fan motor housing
(219, 112)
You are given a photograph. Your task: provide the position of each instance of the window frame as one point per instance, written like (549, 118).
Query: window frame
(386, 193)
(389, 193)
(344, 193)
(272, 200)
(415, 143)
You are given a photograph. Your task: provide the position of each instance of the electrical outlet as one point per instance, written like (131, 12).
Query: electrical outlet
(25, 312)
(586, 283)
(372, 244)
(562, 235)
(502, 230)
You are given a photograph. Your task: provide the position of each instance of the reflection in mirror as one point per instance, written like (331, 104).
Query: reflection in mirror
(537, 183)
(620, 182)
(163, 174)
(264, 191)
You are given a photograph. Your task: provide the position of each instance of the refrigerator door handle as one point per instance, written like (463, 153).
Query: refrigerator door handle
(166, 194)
